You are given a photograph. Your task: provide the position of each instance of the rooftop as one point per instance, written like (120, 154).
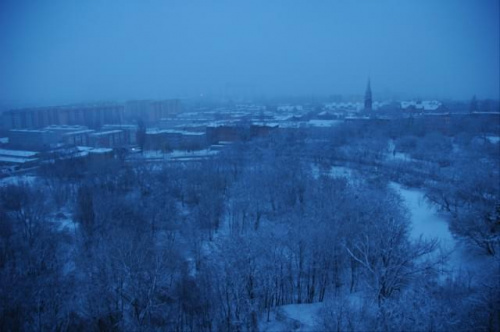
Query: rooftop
(17, 153)
(109, 132)
(87, 131)
(41, 131)
(101, 150)
(173, 131)
(65, 127)
(14, 160)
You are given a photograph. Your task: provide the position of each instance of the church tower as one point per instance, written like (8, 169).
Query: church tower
(368, 97)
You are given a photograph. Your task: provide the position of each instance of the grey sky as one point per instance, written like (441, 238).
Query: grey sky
(74, 50)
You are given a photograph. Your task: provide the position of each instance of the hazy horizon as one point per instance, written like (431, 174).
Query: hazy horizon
(73, 51)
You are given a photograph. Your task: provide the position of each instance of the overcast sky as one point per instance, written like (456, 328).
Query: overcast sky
(72, 51)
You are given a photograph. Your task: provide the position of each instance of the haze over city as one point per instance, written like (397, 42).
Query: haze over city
(58, 51)
(249, 165)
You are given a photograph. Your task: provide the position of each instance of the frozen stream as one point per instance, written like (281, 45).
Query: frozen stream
(427, 222)
(425, 219)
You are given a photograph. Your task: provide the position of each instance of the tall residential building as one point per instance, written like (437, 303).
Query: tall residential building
(90, 115)
(151, 111)
(93, 116)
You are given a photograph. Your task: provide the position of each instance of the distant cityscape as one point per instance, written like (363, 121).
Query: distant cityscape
(30, 136)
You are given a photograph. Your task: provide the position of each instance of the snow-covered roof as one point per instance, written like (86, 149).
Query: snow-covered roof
(155, 131)
(323, 123)
(120, 126)
(17, 153)
(174, 131)
(65, 127)
(84, 148)
(488, 113)
(184, 154)
(346, 106)
(177, 155)
(193, 133)
(437, 114)
(250, 107)
(426, 105)
(101, 150)
(109, 132)
(265, 124)
(79, 132)
(290, 108)
(283, 117)
(357, 118)
(222, 123)
(292, 124)
(14, 160)
(38, 131)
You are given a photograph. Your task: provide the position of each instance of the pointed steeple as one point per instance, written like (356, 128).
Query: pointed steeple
(368, 96)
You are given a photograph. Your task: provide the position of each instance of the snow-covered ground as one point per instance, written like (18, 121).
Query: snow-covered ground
(334, 172)
(294, 317)
(315, 171)
(175, 155)
(400, 156)
(18, 179)
(493, 139)
(340, 171)
(395, 155)
(64, 221)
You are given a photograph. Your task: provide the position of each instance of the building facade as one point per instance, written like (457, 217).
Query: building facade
(151, 111)
(93, 116)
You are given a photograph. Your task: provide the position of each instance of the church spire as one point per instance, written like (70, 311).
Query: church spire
(368, 97)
